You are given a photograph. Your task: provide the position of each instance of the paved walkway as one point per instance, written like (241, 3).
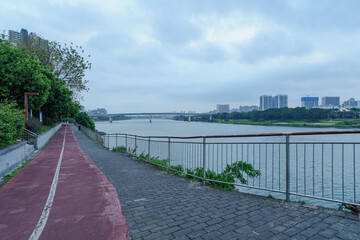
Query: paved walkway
(80, 204)
(158, 205)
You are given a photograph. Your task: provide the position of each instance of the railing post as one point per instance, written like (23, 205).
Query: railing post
(108, 141)
(135, 146)
(149, 150)
(116, 141)
(169, 154)
(204, 160)
(126, 142)
(287, 167)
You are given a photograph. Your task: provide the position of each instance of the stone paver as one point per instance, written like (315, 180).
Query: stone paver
(158, 205)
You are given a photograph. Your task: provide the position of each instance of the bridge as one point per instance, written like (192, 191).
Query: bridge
(189, 115)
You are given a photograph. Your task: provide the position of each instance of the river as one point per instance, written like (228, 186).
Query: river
(320, 161)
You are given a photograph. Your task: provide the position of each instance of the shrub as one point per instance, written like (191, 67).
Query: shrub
(34, 125)
(11, 124)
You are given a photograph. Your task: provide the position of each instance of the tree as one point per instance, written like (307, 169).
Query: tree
(60, 102)
(84, 119)
(65, 62)
(22, 72)
(11, 124)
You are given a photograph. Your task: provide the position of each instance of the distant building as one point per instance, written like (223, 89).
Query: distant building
(351, 103)
(222, 108)
(248, 108)
(330, 102)
(97, 111)
(15, 37)
(268, 101)
(22, 37)
(280, 101)
(309, 102)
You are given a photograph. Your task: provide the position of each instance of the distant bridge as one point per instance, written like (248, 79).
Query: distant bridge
(189, 115)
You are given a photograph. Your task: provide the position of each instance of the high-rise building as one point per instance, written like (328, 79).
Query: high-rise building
(266, 102)
(309, 102)
(222, 108)
(351, 103)
(24, 35)
(14, 37)
(330, 102)
(280, 101)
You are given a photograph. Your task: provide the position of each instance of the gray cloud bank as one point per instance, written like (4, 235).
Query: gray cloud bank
(189, 55)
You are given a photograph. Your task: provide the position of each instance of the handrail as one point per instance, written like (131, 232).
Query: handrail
(246, 135)
(27, 131)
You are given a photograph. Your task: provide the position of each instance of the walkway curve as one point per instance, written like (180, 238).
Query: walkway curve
(85, 205)
(158, 205)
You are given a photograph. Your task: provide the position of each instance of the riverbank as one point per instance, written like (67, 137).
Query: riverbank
(339, 123)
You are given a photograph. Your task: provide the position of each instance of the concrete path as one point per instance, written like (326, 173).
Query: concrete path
(61, 194)
(158, 205)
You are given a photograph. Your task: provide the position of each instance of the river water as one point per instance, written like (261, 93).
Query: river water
(318, 168)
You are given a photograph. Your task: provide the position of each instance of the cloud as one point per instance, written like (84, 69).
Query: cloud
(273, 44)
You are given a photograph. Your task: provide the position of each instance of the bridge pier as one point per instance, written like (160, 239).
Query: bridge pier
(189, 118)
(150, 119)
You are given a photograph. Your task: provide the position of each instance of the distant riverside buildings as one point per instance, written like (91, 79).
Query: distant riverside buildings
(268, 101)
(222, 108)
(309, 102)
(16, 38)
(333, 102)
(97, 111)
(351, 103)
(248, 108)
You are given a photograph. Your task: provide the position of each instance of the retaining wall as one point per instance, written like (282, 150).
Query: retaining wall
(95, 136)
(13, 156)
(45, 137)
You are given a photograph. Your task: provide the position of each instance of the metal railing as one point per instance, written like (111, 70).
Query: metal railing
(30, 137)
(318, 165)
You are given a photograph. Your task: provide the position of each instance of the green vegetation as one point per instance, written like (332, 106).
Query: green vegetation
(84, 119)
(295, 117)
(55, 72)
(351, 207)
(220, 180)
(270, 196)
(8, 177)
(11, 124)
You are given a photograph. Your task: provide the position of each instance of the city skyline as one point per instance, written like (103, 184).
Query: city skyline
(171, 56)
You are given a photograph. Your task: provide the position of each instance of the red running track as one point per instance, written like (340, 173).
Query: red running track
(85, 205)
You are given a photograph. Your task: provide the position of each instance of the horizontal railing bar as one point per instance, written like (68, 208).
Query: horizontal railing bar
(325, 199)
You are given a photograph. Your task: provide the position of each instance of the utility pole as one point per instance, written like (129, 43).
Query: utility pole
(26, 102)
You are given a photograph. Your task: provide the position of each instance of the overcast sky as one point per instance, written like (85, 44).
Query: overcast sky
(173, 55)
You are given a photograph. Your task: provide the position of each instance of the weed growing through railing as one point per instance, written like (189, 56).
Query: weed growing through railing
(237, 169)
(270, 196)
(211, 175)
(353, 208)
(219, 180)
(120, 149)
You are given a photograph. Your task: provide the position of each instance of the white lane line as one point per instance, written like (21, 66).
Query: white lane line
(47, 208)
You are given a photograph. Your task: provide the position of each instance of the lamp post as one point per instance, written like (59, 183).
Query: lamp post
(26, 102)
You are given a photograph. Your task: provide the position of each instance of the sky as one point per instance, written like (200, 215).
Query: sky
(189, 55)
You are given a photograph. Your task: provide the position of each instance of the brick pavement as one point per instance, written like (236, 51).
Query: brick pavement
(158, 205)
